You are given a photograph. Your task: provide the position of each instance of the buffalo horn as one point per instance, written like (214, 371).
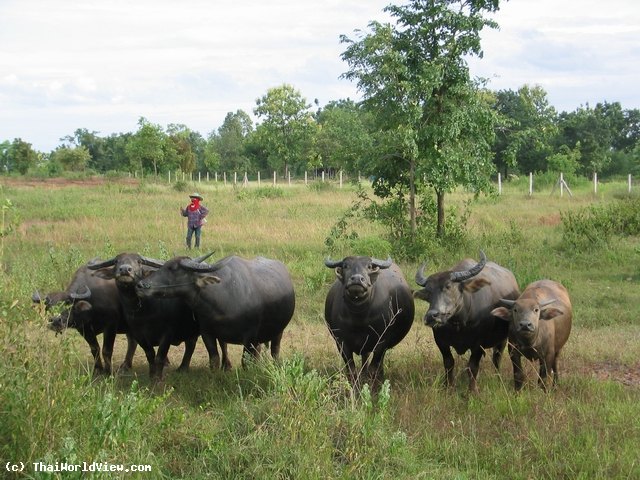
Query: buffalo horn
(508, 303)
(202, 258)
(194, 266)
(151, 262)
(36, 298)
(547, 302)
(81, 296)
(332, 263)
(421, 279)
(96, 265)
(382, 263)
(472, 272)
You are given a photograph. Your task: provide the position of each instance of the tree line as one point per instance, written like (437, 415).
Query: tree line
(529, 135)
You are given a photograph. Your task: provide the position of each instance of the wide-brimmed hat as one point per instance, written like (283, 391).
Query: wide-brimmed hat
(196, 195)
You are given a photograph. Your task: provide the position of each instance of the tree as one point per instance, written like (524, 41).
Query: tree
(93, 144)
(285, 132)
(414, 78)
(22, 156)
(72, 159)
(146, 148)
(523, 137)
(343, 139)
(178, 151)
(5, 163)
(230, 141)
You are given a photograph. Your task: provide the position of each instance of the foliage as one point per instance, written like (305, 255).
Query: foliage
(287, 127)
(146, 148)
(73, 159)
(594, 226)
(436, 127)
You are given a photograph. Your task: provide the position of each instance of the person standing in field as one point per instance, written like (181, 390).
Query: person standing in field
(195, 213)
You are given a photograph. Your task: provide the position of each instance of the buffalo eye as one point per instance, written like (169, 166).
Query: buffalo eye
(536, 310)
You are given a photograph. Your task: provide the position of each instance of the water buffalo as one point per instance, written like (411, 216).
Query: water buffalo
(92, 307)
(461, 301)
(539, 326)
(162, 321)
(239, 301)
(368, 309)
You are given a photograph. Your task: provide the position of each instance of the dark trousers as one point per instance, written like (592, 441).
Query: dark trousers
(190, 232)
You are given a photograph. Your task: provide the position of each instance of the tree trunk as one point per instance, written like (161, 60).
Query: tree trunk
(412, 197)
(440, 227)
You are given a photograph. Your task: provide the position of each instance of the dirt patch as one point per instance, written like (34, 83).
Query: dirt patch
(608, 370)
(550, 220)
(55, 183)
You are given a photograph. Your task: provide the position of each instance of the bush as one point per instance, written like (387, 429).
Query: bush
(594, 226)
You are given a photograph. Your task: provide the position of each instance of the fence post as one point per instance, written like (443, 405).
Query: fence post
(530, 183)
(274, 178)
(499, 184)
(224, 177)
(323, 176)
(595, 182)
(340, 178)
(305, 177)
(169, 176)
(258, 178)
(245, 182)
(629, 181)
(289, 177)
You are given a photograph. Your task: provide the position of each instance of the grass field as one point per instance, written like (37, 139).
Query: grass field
(300, 419)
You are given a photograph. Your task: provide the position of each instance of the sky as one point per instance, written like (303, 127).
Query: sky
(101, 65)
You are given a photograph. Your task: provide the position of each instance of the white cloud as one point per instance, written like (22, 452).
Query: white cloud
(67, 64)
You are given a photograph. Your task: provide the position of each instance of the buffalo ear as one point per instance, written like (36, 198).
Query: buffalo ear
(83, 306)
(204, 280)
(476, 284)
(105, 273)
(422, 294)
(339, 272)
(549, 313)
(503, 313)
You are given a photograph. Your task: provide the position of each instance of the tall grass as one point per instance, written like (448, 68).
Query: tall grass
(300, 418)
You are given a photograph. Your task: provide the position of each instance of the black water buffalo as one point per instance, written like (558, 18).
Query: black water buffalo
(539, 326)
(92, 307)
(369, 309)
(460, 305)
(239, 301)
(162, 321)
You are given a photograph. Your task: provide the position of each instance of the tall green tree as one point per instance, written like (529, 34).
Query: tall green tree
(525, 134)
(178, 149)
(230, 141)
(146, 148)
(287, 126)
(343, 139)
(414, 78)
(22, 156)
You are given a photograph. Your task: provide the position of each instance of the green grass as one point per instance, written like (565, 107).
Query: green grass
(300, 419)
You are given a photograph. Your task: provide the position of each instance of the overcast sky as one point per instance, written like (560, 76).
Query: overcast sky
(102, 64)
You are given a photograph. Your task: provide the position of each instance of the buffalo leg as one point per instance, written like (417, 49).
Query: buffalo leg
(189, 347)
(275, 346)
(545, 362)
(212, 350)
(131, 350)
(108, 339)
(449, 364)
(161, 355)
(226, 363)
(91, 339)
(376, 370)
(518, 373)
(347, 356)
(473, 367)
(251, 350)
(150, 353)
(497, 354)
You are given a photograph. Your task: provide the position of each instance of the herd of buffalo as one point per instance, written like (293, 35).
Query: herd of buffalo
(369, 309)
